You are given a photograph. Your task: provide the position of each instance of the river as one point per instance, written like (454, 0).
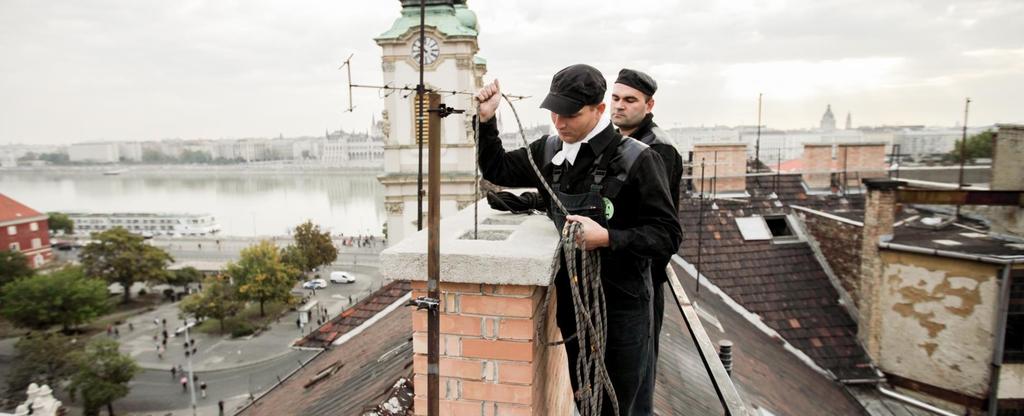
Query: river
(245, 203)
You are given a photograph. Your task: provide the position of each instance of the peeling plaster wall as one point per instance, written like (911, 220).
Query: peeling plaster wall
(1011, 381)
(938, 316)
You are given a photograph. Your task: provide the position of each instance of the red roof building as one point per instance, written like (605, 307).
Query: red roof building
(26, 230)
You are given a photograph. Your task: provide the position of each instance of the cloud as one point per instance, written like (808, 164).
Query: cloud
(146, 69)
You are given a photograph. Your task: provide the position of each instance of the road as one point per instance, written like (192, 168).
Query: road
(232, 368)
(156, 392)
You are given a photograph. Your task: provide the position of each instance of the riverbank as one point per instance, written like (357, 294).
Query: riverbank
(262, 168)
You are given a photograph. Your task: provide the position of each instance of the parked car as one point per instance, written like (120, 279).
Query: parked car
(315, 284)
(342, 277)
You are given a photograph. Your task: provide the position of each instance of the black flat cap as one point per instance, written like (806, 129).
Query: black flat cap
(638, 80)
(574, 87)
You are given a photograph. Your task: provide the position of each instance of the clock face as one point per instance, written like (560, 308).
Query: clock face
(432, 49)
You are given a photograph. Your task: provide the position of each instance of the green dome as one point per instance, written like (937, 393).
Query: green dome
(466, 17)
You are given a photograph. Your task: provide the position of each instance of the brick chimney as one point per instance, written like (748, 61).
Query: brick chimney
(491, 289)
(879, 215)
(817, 165)
(1007, 154)
(725, 167)
(1007, 175)
(860, 161)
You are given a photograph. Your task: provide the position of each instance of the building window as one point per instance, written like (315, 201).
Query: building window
(778, 227)
(775, 228)
(33, 226)
(1013, 347)
(12, 230)
(36, 243)
(15, 247)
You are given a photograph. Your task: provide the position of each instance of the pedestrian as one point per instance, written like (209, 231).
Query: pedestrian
(220, 408)
(194, 349)
(184, 384)
(174, 372)
(165, 334)
(192, 342)
(110, 330)
(160, 352)
(195, 377)
(156, 321)
(619, 186)
(164, 322)
(131, 327)
(187, 354)
(298, 322)
(117, 333)
(202, 389)
(164, 342)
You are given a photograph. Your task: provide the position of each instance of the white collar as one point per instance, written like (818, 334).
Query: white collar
(570, 150)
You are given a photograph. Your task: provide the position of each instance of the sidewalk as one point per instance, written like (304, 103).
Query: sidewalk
(220, 352)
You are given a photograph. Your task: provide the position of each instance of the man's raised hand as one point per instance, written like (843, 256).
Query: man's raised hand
(489, 97)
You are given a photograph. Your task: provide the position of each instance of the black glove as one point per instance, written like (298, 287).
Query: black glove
(516, 204)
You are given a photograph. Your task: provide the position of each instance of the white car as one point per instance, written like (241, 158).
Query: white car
(315, 284)
(342, 277)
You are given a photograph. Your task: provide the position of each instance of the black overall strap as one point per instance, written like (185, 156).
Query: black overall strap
(629, 151)
(552, 144)
(602, 162)
(655, 136)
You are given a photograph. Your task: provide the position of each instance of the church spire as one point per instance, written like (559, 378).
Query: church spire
(849, 121)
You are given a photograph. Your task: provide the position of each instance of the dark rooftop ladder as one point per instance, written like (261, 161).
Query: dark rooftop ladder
(720, 378)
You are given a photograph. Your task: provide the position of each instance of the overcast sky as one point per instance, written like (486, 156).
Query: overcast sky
(75, 70)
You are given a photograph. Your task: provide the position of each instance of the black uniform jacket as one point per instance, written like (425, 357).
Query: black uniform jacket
(673, 163)
(644, 223)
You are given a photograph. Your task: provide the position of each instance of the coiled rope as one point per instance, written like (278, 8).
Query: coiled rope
(587, 294)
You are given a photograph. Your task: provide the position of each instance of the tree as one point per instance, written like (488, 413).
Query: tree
(316, 247)
(43, 358)
(119, 256)
(261, 275)
(184, 276)
(101, 376)
(293, 257)
(155, 156)
(55, 158)
(978, 146)
(64, 297)
(218, 300)
(61, 222)
(13, 265)
(194, 156)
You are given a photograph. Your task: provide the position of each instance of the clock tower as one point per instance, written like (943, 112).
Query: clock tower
(450, 63)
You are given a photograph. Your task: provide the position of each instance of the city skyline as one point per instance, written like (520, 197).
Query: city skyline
(124, 71)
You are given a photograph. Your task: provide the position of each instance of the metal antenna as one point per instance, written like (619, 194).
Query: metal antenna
(963, 152)
(700, 221)
(757, 144)
(348, 65)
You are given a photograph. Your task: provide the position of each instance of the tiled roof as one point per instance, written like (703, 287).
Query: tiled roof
(766, 375)
(365, 370)
(781, 282)
(354, 316)
(11, 210)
